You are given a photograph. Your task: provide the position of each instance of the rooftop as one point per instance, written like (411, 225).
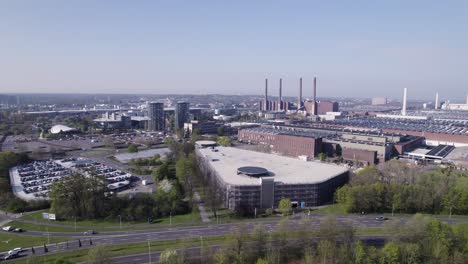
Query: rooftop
(227, 160)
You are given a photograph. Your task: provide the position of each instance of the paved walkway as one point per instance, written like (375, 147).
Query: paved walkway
(201, 208)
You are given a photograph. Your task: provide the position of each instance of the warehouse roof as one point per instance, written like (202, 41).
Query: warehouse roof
(226, 161)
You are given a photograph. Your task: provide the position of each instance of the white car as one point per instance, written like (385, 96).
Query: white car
(8, 228)
(15, 251)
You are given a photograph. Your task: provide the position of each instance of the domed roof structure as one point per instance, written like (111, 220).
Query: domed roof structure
(61, 128)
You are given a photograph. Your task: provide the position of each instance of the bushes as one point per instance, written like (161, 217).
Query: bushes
(17, 205)
(132, 148)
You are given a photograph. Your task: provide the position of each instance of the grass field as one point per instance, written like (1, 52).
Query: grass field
(11, 240)
(124, 249)
(102, 225)
(332, 209)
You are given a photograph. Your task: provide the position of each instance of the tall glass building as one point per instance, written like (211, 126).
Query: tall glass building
(157, 120)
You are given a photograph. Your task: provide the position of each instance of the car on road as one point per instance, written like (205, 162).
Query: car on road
(18, 230)
(381, 218)
(8, 228)
(90, 232)
(15, 251)
(11, 256)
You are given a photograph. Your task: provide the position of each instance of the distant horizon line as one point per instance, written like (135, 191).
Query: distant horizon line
(192, 94)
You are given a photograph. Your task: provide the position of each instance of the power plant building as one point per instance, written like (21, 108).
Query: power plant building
(249, 179)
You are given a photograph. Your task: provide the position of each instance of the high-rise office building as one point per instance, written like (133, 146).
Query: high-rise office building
(157, 120)
(182, 114)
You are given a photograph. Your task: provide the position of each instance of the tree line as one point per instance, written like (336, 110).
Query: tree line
(396, 188)
(8, 201)
(420, 240)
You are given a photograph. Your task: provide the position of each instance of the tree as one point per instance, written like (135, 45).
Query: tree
(259, 240)
(451, 200)
(132, 148)
(79, 196)
(390, 254)
(285, 206)
(97, 255)
(170, 256)
(322, 156)
(185, 169)
(224, 141)
(220, 131)
(237, 245)
(196, 134)
(326, 252)
(62, 260)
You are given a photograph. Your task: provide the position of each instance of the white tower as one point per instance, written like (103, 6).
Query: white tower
(403, 109)
(436, 106)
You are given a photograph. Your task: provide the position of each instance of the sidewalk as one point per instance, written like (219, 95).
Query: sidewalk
(203, 214)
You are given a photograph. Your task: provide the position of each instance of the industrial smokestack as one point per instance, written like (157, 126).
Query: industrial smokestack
(314, 97)
(265, 103)
(403, 109)
(299, 101)
(436, 106)
(280, 97)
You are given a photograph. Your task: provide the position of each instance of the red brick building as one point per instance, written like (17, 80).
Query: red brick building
(367, 157)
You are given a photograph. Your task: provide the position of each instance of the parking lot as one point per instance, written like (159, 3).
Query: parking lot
(116, 179)
(455, 127)
(32, 181)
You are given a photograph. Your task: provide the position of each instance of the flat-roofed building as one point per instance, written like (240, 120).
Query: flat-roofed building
(249, 179)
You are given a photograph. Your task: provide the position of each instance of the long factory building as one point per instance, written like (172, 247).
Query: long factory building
(250, 179)
(367, 148)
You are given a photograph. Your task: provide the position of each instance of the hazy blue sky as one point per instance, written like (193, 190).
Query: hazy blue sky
(355, 48)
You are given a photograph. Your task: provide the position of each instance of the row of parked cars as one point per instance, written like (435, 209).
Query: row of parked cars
(110, 174)
(35, 177)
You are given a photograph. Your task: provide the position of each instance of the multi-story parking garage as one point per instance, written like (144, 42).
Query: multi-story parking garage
(249, 179)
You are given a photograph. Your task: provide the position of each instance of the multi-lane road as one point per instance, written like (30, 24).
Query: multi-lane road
(79, 240)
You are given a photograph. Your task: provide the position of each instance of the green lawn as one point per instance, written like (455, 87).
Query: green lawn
(11, 240)
(332, 209)
(102, 225)
(99, 152)
(125, 249)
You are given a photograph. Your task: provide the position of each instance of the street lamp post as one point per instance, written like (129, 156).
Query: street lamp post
(149, 251)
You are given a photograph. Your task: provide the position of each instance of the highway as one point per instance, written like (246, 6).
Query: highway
(135, 236)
